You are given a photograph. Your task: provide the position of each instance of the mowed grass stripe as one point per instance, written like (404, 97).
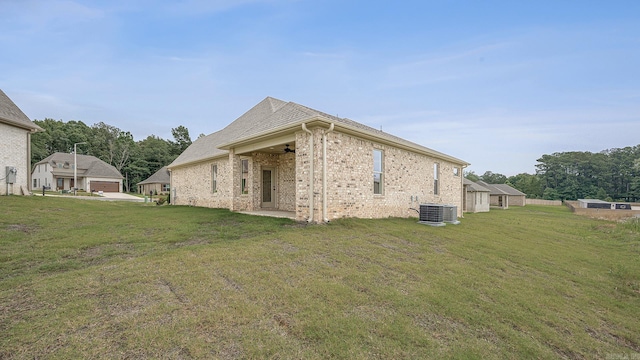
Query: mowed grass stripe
(88, 279)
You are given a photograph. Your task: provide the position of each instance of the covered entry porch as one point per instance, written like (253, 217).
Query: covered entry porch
(267, 172)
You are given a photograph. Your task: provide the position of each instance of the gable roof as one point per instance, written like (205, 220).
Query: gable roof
(501, 189)
(11, 114)
(473, 187)
(271, 116)
(161, 176)
(88, 166)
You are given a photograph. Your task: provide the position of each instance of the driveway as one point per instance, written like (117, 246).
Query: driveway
(120, 196)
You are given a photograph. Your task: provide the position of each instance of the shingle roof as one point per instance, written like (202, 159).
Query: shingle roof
(11, 114)
(473, 187)
(501, 189)
(271, 114)
(88, 166)
(161, 176)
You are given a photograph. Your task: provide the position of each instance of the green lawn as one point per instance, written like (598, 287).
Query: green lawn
(88, 279)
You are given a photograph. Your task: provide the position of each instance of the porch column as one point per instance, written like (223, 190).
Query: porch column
(234, 176)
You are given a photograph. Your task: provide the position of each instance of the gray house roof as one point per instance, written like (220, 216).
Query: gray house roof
(473, 187)
(501, 189)
(88, 166)
(272, 115)
(161, 176)
(11, 114)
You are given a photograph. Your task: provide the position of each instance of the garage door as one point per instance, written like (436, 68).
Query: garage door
(106, 186)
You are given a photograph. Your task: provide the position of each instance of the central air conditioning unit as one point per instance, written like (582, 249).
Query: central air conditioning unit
(432, 214)
(451, 214)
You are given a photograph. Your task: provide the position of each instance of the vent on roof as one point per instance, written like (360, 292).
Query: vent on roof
(432, 214)
(451, 214)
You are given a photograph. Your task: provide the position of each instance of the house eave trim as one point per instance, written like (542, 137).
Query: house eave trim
(194, 162)
(32, 128)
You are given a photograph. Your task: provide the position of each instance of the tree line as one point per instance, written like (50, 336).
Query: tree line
(136, 160)
(610, 175)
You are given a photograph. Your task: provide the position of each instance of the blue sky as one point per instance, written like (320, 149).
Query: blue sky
(495, 83)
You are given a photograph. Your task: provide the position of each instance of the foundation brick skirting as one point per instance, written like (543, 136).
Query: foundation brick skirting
(408, 180)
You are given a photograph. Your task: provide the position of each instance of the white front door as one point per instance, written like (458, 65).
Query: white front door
(268, 187)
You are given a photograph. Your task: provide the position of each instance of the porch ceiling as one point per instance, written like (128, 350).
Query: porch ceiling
(274, 145)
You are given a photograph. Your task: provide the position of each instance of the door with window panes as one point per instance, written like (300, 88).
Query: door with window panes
(268, 187)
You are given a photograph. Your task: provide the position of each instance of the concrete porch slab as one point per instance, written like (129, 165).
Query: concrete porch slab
(272, 213)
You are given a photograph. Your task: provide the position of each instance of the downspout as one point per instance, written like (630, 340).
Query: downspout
(304, 127)
(324, 174)
(463, 204)
(29, 181)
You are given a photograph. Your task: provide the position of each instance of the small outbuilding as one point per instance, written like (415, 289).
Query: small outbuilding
(476, 197)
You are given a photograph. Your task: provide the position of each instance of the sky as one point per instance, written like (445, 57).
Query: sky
(495, 83)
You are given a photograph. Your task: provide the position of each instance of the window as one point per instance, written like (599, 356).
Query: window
(436, 173)
(35, 183)
(378, 178)
(60, 183)
(245, 176)
(456, 171)
(166, 187)
(214, 178)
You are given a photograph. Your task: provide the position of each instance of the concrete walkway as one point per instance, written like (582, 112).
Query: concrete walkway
(272, 213)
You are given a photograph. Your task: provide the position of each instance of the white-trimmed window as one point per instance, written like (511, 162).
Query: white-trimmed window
(214, 178)
(436, 179)
(378, 174)
(245, 176)
(456, 171)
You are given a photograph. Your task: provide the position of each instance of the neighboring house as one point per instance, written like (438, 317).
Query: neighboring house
(284, 156)
(503, 195)
(158, 183)
(476, 197)
(15, 148)
(57, 172)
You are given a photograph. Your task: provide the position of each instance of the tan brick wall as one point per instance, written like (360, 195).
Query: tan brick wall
(192, 185)
(407, 176)
(13, 152)
(513, 200)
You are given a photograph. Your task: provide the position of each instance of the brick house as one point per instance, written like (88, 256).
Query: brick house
(503, 195)
(158, 183)
(15, 148)
(57, 172)
(288, 157)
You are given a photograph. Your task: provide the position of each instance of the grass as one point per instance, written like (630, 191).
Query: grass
(84, 279)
